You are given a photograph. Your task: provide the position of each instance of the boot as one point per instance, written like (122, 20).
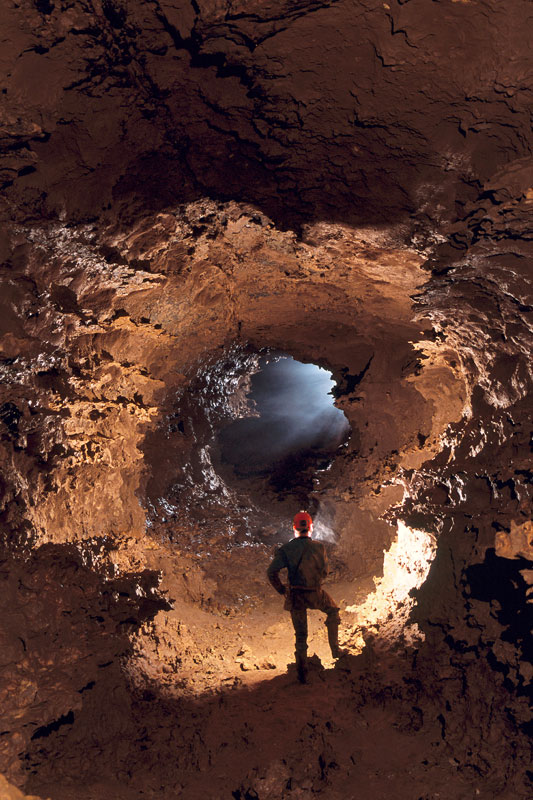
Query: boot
(333, 639)
(301, 666)
(339, 652)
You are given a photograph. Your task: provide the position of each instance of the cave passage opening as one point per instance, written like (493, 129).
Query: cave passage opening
(293, 429)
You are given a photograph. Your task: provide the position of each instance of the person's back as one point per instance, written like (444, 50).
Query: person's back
(305, 561)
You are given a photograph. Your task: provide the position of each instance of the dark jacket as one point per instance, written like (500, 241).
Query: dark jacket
(305, 561)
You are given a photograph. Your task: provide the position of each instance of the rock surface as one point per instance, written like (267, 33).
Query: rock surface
(10, 792)
(187, 185)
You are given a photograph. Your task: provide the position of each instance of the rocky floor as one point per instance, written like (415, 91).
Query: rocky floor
(209, 707)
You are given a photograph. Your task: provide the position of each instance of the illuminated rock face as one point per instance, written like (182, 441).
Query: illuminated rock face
(186, 186)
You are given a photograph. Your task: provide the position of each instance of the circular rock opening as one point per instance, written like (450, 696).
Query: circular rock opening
(293, 431)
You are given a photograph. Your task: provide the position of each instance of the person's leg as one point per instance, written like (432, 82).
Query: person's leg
(332, 624)
(328, 605)
(299, 621)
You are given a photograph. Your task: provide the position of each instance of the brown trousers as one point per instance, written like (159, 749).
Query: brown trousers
(297, 601)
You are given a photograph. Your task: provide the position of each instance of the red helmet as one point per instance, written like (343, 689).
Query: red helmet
(302, 521)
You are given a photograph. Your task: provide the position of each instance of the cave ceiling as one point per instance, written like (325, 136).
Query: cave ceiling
(341, 111)
(187, 186)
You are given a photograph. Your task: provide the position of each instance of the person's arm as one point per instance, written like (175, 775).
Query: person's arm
(278, 563)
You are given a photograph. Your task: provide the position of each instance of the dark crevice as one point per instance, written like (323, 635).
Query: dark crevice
(52, 727)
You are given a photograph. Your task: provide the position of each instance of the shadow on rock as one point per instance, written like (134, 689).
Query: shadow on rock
(63, 625)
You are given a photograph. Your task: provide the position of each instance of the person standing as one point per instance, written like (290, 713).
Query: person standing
(307, 566)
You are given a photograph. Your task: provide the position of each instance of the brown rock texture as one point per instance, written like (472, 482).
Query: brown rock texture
(10, 792)
(186, 187)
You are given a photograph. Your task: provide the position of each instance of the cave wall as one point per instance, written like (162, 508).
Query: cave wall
(349, 182)
(64, 629)
(128, 340)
